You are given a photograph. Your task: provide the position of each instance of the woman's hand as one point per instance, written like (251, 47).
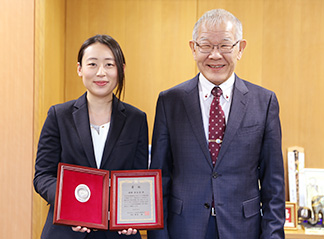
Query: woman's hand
(81, 229)
(128, 232)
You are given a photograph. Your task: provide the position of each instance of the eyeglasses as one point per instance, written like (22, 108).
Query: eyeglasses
(222, 48)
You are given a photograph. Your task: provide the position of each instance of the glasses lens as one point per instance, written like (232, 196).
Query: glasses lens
(225, 48)
(205, 48)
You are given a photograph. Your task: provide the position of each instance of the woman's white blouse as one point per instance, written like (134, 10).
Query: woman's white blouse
(99, 136)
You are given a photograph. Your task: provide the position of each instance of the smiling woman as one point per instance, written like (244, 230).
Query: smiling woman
(98, 70)
(100, 77)
(91, 131)
(112, 57)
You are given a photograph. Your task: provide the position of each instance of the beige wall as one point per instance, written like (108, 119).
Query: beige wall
(284, 53)
(154, 36)
(16, 120)
(49, 79)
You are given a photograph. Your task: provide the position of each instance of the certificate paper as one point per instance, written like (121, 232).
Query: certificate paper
(136, 200)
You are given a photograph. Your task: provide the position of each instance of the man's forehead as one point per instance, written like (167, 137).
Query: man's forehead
(224, 26)
(206, 37)
(211, 34)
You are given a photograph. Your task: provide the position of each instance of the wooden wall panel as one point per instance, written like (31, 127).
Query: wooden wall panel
(86, 19)
(49, 80)
(157, 48)
(154, 36)
(293, 66)
(16, 121)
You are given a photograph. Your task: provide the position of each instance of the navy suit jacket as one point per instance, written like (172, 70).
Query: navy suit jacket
(66, 137)
(247, 182)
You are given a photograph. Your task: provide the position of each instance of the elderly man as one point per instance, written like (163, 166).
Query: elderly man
(217, 139)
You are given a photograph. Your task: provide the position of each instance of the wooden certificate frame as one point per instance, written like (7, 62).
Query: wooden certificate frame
(291, 216)
(136, 199)
(81, 198)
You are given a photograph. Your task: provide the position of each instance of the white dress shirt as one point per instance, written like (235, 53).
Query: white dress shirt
(205, 87)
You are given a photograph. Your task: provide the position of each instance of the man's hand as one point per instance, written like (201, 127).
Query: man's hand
(128, 232)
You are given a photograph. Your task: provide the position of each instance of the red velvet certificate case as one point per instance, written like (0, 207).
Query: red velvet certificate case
(82, 196)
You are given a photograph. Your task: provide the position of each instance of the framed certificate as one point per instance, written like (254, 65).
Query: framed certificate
(136, 199)
(82, 196)
(291, 216)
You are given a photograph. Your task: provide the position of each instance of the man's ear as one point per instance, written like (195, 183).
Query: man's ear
(241, 49)
(193, 48)
(79, 69)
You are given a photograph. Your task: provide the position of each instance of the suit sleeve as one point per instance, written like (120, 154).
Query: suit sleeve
(162, 159)
(47, 159)
(272, 176)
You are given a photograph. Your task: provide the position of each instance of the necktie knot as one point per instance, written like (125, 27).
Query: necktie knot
(217, 91)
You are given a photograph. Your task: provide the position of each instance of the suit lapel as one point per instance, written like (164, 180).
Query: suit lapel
(193, 110)
(82, 123)
(237, 112)
(118, 119)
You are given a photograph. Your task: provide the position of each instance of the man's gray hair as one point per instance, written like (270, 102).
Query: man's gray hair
(215, 17)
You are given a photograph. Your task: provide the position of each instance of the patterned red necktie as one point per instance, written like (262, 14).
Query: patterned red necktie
(216, 125)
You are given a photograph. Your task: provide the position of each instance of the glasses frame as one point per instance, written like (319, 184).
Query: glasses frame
(217, 46)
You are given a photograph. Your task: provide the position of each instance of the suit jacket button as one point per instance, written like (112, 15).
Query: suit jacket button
(215, 175)
(206, 205)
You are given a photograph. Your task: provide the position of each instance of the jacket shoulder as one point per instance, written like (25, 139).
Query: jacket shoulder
(67, 108)
(63, 108)
(257, 88)
(131, 109)
(182, 88)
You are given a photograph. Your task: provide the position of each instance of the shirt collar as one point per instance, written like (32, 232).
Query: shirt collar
(206, 87)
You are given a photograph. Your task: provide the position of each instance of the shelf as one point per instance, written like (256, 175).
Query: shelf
(300, 234)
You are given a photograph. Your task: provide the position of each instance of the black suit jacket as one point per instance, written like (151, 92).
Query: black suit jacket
(66, 137)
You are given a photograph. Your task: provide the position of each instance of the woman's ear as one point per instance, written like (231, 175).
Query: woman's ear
(79, 69)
